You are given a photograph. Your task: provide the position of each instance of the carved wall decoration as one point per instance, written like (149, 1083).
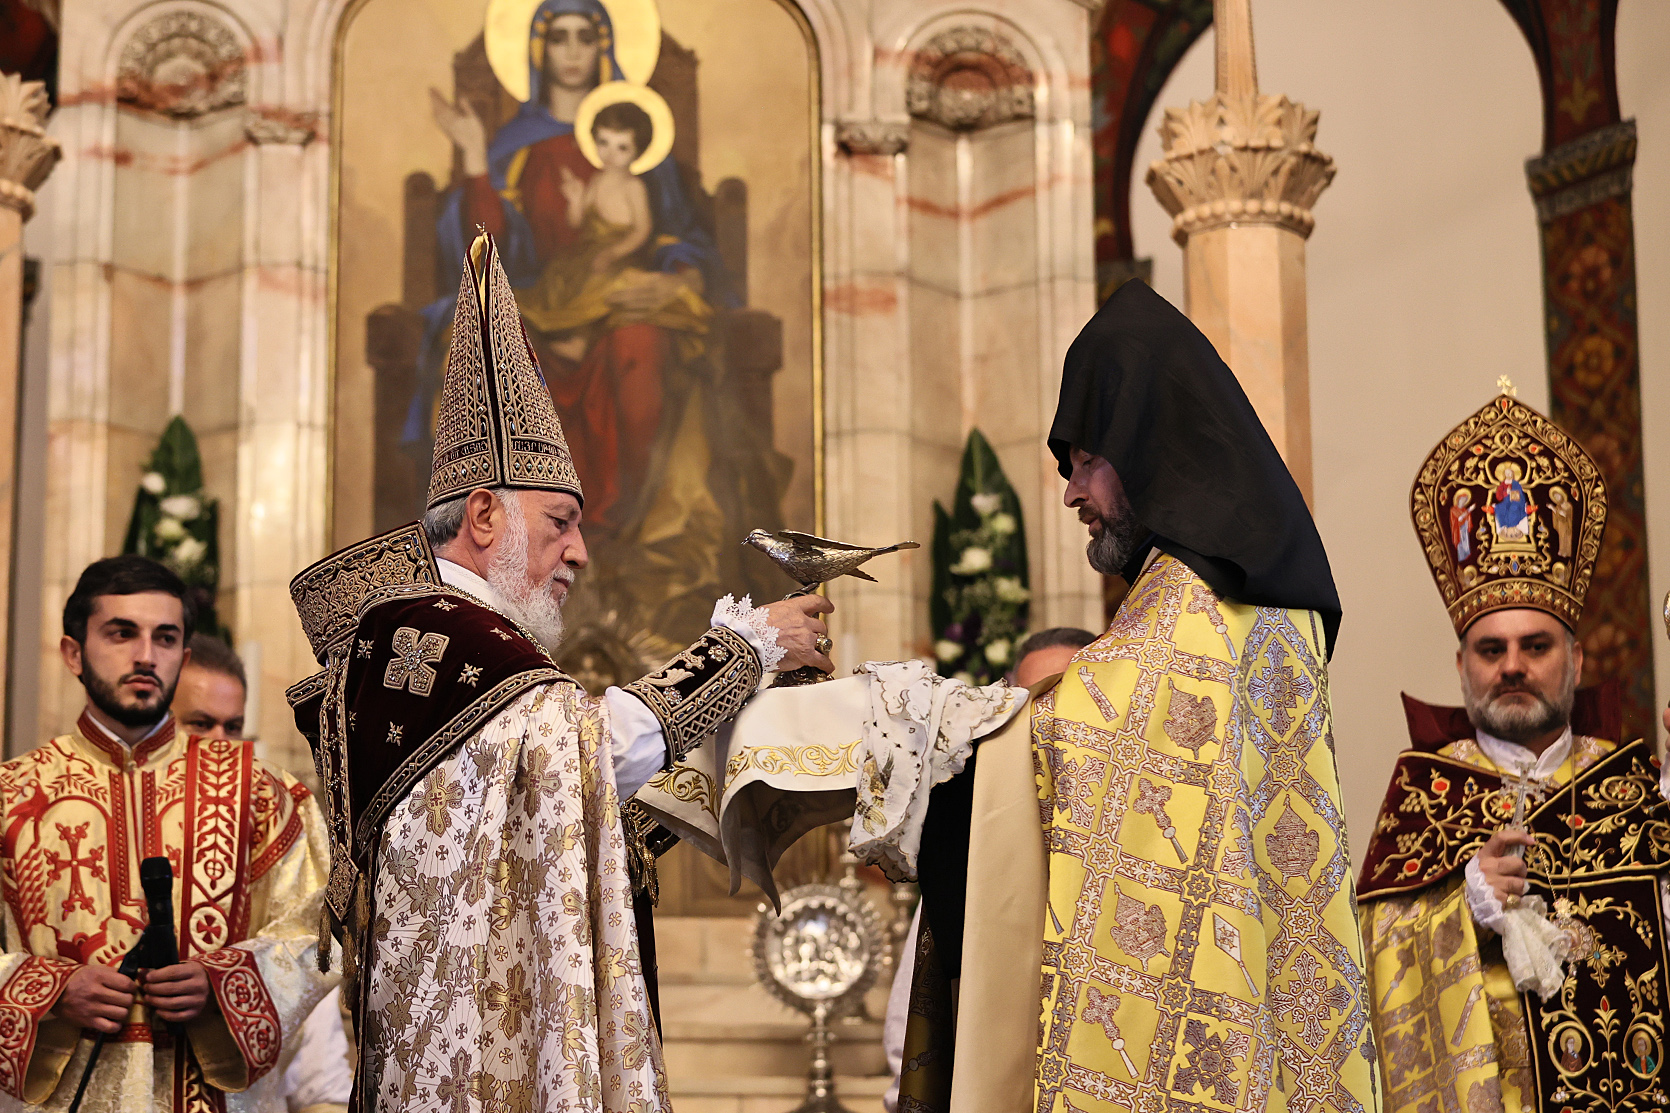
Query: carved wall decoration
(27, 153)
(296, 129)
(182, 64)
(968, 78)
(872, 137)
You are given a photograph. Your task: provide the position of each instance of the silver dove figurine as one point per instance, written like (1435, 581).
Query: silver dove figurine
(810, 561)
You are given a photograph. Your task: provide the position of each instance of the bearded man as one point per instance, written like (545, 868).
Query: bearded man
(247, 845)
(1190, 875)
(1512, 900)
(479, 878)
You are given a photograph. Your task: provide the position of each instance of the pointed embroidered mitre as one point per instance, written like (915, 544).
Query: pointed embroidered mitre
(496, 427)
(1510, 511)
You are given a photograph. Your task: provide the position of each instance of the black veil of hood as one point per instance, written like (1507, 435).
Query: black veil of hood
(1146, 391)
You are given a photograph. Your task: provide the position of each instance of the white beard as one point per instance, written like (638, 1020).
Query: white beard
(533, 604)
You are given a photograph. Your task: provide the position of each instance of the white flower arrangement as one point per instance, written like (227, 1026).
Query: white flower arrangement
(997, 653)
(946, 650)
(169, 529)
(184, 507)
(189, 553)
(973, 561)
(1009, 589)
(986, 503)
(153, 483)
(1002, 524)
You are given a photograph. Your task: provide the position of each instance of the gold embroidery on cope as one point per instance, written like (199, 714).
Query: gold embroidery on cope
(413, 655)
(1178, 937)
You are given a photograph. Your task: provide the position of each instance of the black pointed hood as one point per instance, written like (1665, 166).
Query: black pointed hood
(1145, 390)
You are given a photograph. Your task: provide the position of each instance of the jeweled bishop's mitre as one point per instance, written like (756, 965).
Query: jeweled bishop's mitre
(496, 426)
(1510, 511)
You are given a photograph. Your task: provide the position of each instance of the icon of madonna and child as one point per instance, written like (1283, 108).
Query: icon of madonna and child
(622, 288)
(1512, 514)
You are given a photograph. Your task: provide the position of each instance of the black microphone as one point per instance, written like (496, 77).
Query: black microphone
(156, 876)
(155, 948)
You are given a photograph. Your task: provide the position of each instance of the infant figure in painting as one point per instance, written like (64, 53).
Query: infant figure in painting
(614, 202)
(592, 288)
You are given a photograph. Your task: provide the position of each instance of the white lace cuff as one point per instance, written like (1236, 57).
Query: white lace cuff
(1481, 899)
(749, 622)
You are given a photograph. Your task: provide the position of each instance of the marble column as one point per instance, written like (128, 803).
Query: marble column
(27, 156)
(1239, 178)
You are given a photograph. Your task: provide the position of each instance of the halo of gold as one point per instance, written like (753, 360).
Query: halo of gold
(614, 92)
(637, 34)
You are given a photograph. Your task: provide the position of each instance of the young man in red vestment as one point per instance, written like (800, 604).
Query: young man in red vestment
(246, 845)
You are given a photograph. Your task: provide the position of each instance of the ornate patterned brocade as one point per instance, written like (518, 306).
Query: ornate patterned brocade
(1201, 951)
(699, 689)
(1457, 1036)
(247, 846)
(327, 594)
(496, 424)
(505, 962)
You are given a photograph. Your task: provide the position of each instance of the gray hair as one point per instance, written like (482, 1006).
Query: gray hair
(443, 520)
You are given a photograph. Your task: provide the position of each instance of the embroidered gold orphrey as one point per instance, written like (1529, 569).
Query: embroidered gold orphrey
(1457, 1036)
(1201, 950)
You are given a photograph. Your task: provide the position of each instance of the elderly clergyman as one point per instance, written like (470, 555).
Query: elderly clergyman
(479, 877)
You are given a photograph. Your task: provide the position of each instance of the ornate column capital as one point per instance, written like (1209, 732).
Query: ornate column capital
(27, 152)
(1240, 156)
(1584, 171)
(873, 137)
(279, 128)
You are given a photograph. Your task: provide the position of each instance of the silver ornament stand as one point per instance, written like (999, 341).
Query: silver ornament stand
(819, 955)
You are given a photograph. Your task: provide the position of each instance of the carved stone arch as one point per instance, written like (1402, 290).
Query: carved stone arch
(969, 77)
(183, 61)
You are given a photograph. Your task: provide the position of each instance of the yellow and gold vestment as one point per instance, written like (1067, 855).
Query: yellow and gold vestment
(1201, 950)
(248, 847)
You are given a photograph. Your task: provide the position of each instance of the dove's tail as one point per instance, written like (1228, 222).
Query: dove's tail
(863, 575)
(896, 548)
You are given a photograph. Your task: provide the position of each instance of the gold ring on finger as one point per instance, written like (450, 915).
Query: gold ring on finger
(824, 644)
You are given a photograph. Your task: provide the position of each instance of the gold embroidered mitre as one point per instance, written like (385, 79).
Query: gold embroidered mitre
(497, 426)
(1510, 511)
(328, 593)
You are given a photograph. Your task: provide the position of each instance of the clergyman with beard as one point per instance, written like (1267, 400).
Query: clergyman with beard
(245, 842)
(1514, 886)
(480, 867)
(1196, 854)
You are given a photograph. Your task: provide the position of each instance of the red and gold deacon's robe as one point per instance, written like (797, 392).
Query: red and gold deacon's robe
(1455, 1036)
(248, 847)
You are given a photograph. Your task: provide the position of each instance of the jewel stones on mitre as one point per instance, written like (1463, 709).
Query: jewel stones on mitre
(1510, 511)
(496, 426)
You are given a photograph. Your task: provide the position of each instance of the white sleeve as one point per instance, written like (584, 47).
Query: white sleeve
(320, 1073)
(640, 747)
(1481, 898)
